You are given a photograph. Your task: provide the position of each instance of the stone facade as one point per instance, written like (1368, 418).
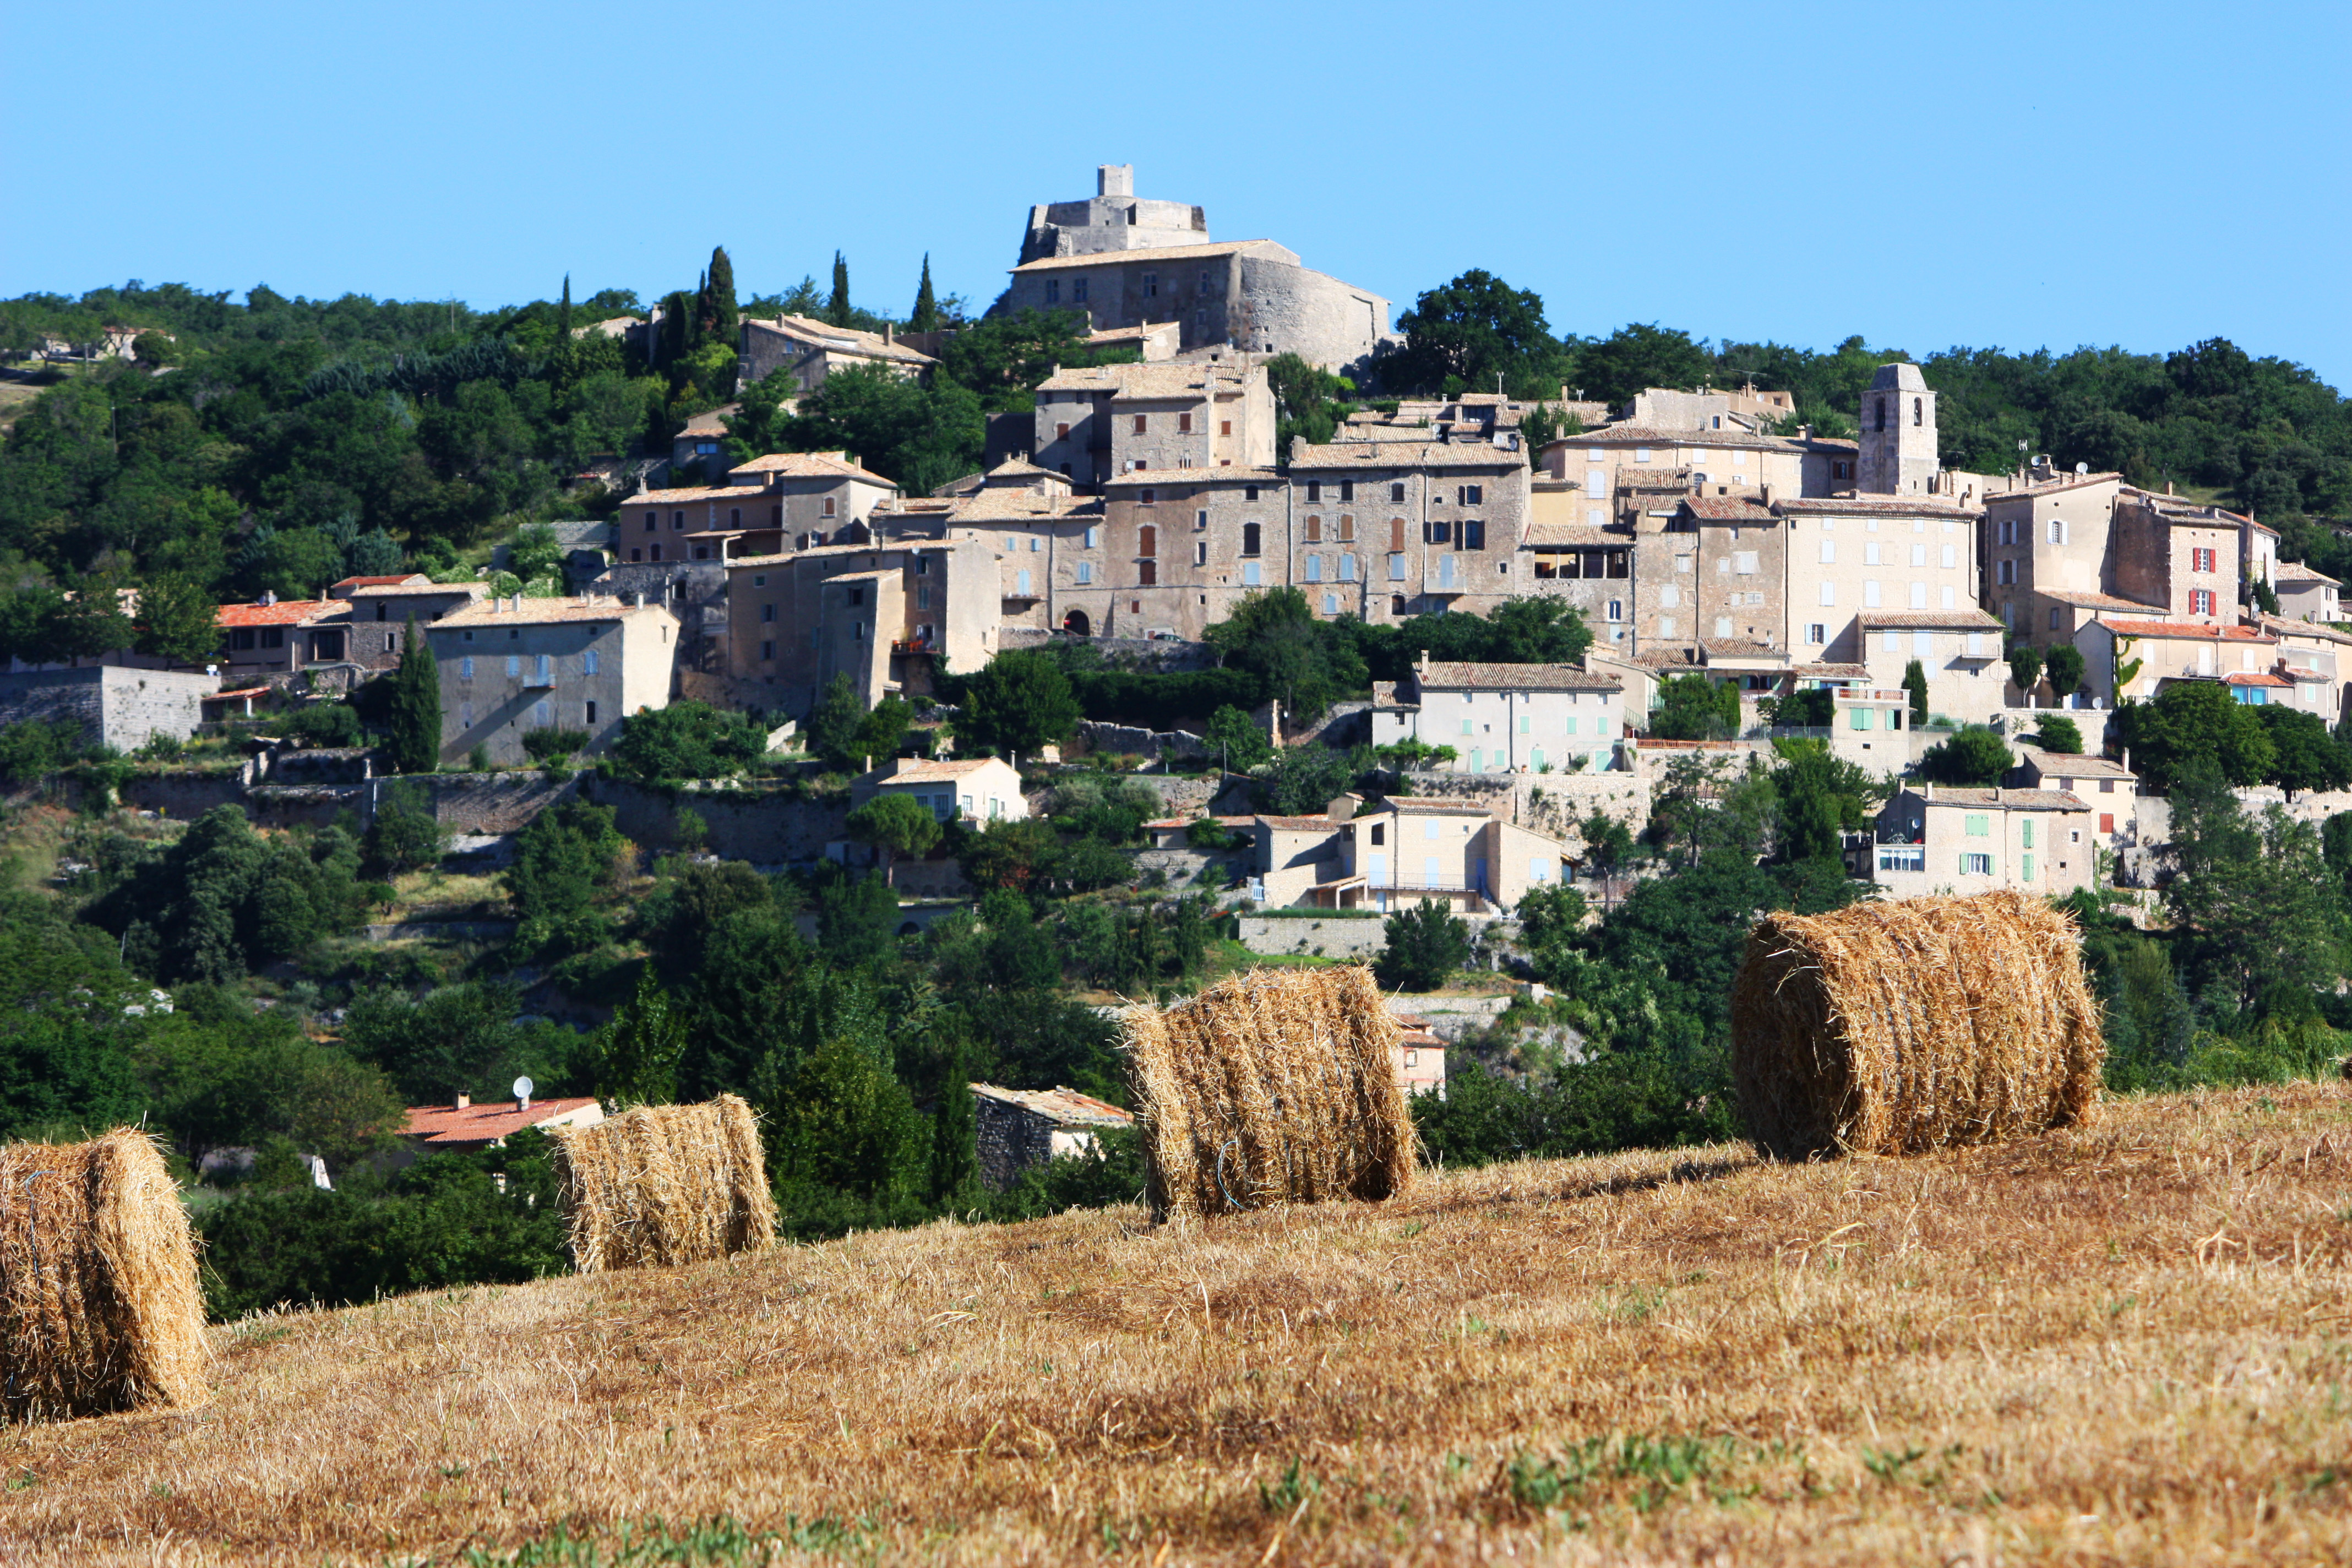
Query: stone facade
(810, 351)
(116, 706)
(1964, 841)
(1098, 421)
(1899, 452)
(1019, 1129)
(880, 614)
(1506, 718)
(509, 667)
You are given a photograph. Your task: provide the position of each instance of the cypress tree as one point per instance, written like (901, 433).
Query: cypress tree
(675, 312)
(955, 1137)
(564, 314)
(416, 706)
(723, 312)
(926, 317)
(837, 312)
(1914, 681)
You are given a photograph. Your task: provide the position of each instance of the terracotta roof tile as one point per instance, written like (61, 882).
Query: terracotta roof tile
(446, 1126)
(1065, 1106)
(540, 612)
(1929, 620)
(1452, 677)
(285, 613)
(2010, 799)
(2199, 630)
(1149, 253)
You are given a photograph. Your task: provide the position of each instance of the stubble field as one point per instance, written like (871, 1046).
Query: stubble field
(2127, 1343)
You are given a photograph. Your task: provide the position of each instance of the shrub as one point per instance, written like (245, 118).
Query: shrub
(688, 741)
(1426, 945)
(406, 835)
(1973, 756)
(323, 725)
(554, 745)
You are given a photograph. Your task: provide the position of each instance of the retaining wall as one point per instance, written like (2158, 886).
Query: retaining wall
(1322, 938)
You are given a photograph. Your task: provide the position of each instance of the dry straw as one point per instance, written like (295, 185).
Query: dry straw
(1274, 1086)
(664, 1184)
(1899, 1027)
(100, 1308)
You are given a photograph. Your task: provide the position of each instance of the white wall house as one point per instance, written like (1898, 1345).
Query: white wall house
(1506, 718)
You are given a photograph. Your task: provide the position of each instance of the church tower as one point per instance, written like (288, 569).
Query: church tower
(1898, 434)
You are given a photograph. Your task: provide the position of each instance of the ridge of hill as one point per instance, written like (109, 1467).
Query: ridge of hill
(2120, 1342)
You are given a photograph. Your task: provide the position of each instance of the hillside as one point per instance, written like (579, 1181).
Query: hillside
(2125, 1342)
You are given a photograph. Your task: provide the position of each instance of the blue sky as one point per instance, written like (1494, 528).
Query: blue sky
(1989, 173)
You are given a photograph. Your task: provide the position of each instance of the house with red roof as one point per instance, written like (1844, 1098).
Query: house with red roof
(277, 637)
(462, 1126)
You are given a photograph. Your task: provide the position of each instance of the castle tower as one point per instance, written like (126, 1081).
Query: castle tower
(1898, 434)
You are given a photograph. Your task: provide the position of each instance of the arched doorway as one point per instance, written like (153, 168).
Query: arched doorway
(1076, 624)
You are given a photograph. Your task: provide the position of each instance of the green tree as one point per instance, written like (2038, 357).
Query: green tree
(1635, 357)
(2193, 718)
(1304, 780)
(719, 315)
(1607, 842)
(1821, 797)
(2257, 894)
(413, 735)
(1463, 335)
(1273, 634)
(897, 824)
(1694, 708)
(1238, 743)
(637, 1054)
(1000, 359)
(1914, 681)
(2304, 756)
(925, 316)
(1017, 702)
(1975, 756)
(848, 1124)
(2025, 669)
(563, 858)
(955, 1130)
(688, 741)
(837, 309)
(1425, 945)
(1015, 855)
(535, 552)
(921, 436)
(834, 721)
(2056, 733)
(406, 834)
(178, 621)
(2063, 665)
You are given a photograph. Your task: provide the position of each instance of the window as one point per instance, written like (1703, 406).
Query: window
(1918, 411)
(465, 715)
(1052, 290)
(1146, 573)
(1061, 432)
(1829, 551)
(1870, 555)
(1346, 526)
(1252, 576)
(923, 596)
(1094, 537)
(1330, 603)
(1314, 530)
(1918, 596)
(1224, 426)
(1314, 490)
(1139, 422)
(1251, 533)
(2200, 601)
(653, 521)
(1829, 592)
(1951, 555)
(2005, 571)
(2025, 866)
(1870, 595)
(1146, 541)
(1184, 424)
(1200, 553)
(1744, 562)
(656, 552)
(1086, 573)
(768, 613)
(1473, 495)
(1616, 609)
(856, 595)
(1919, 555)
(1437, 532)
(1862, 718)
(1396, 567)
(768, 651)
(1315, 569)
(2057, 531)
(1976, 865)
(1670, 597)
(543, 713)
(1816, 632)
(1902, 858)
(1473, 535)
(1348, 566)
(2200, 561)
(1667, 625)
(1021, 584)
(465, 668)
(1249, 492)
(2025, 833)
(678, 522)
(1150, 284)
(1078, 290)
(2054, 612)
(546, 668)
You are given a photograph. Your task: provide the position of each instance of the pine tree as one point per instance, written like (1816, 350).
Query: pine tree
(837, 312)
(1914, 681)
(415, 706)
(723, 312)
(925, 316)
(955, 1137)
(638, 1052)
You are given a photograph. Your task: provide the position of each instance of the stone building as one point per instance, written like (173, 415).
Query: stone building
(1506, 718)
(2180, 556)
(508, 667)
(2108, 786)
(1960, 652)
(783, 501)
(1434, 526)
(1094, 422)
(1852, 556)
(977, 789)
(1170, 550)
(280, 637)
(2305, 593)
(1899, 454)
(1939, 839)
(2125, 659)
(115, 705)
(881, 613)
(382, 607)
(810, 351)
(2045, 549)
(1602, 463)
(1130, 262)
(1019, 1129)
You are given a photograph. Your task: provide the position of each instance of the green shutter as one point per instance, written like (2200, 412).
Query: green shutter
(2026, 828)
(2027, 863)
(1980, 825)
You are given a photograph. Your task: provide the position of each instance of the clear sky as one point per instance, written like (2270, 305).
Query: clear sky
(1987, 174)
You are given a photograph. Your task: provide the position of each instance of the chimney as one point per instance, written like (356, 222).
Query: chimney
(522, 1102)
(886, 334)
(465, 1102)
(640, 599)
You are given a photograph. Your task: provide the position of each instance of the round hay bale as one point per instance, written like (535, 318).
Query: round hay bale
(1275, 1086)
(99, 1307)
(661, 1185)
(1907, 1026)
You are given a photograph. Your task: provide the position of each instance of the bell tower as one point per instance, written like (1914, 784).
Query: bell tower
(1898, 434)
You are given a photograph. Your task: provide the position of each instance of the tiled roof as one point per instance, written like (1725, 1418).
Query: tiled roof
(1444, 676)
(1631, 478)
(446, 1126)
(713, 423)
(1835, 444)
(285, 613)
(1650, 436)
(2254, 678)
(916, 771)
(1065, 1107)
(1128, 334)
(2010, 799)
(1022, 506)
(1156, 380)
(1425, 804)
(2199, 630)
(1298, 824)
(1385, 695)
(2052, 487)
(2296, 571)
(2320, 630)
(1738, 647)
(1883, 506)
(691, 494)
(1405, 454)
(1197, 476)
(2082, 600)
(1929, 620)
(413, 589)
(846, 340)
(539, 612)
(1728, 509)
(1575, 536)
(808, 466)
(380, 582)
(1148, 254)
(1833, 671)
(2072, 765)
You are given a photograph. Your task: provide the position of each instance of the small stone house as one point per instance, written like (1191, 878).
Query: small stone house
(1506, 718)
(512, 665)
(464, 1128)
(381, 608)
(1019, 1129)
(2108, 786)
(979, 789)
(1940, 840)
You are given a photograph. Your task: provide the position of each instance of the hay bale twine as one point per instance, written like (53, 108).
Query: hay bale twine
(99, 1307)
(1275, 1086)
(661, 1185)
(1903, 1026)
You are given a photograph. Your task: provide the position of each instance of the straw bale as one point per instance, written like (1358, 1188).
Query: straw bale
(661, 1185)
(1273, 1086)
(1909, 1026)
(99, 1307)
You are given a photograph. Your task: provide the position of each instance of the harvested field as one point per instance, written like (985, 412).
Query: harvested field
(2128, 1342)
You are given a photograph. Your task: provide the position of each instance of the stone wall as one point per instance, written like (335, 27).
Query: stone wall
(115, 705)
(482, 803)
(1127, 739)
(1156, 656)
(1012, 1139)
(772, 829)
(183, 796)
(1284, 308)
(1319, 938)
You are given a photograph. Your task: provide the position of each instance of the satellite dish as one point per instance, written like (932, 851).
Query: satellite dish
(2082, 468)
(522, 1088)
